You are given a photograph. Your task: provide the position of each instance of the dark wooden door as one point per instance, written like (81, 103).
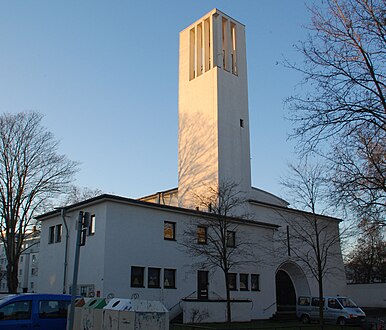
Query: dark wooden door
(202, 284)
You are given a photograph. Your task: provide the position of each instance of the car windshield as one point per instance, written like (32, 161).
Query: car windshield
(347, 302)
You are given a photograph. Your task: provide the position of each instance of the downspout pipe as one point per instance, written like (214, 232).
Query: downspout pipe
(63, 214)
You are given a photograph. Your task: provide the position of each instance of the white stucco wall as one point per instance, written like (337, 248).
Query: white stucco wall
(52, 256)
(131, 235)
(368, 295)
(334, 282)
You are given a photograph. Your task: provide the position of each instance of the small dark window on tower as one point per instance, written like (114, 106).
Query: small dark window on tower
(241, 122)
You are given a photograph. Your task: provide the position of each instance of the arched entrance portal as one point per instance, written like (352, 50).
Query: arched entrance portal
(285, 290)
(291, 283)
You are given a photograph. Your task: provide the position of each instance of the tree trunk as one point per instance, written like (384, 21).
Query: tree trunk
(12, 272)
(320, 271)
(321, 302)
(228, 297)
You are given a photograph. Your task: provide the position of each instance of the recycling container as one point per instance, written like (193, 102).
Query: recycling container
(92, 314)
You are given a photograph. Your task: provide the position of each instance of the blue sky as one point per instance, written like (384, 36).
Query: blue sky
(105, 76)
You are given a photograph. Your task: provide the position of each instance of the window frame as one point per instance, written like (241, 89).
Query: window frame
(156, 274)
(173, 228)
(315, 301)
(257, 286)
(61, 313)
(91, 227)
(51, 235)
(245, 281)
(28, 315)
(141, 277)
(58, 233)
(231, 238)
(202, 238)
(232, 279)
(172, 284)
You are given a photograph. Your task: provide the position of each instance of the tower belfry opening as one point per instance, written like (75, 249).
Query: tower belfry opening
(202, 56)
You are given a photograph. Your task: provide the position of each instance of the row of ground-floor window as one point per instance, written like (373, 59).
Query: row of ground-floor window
(153, 277)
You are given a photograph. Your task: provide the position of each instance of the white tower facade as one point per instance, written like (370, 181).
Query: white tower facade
(213, 144)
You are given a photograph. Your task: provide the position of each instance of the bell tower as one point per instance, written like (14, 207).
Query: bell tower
(213, 141)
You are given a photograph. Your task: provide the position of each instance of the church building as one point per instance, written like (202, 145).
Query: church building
(133, 246)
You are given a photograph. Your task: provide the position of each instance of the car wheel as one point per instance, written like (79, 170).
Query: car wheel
(341, 321)
(305, 319)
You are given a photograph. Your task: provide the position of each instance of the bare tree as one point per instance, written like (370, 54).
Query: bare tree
(77, 194)
(344, 103)
(31, 173)
(367, 259)
(215, 240)
(344, 66)
(312, 239)
(359, 182)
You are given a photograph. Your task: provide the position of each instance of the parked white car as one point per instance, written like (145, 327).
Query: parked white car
(339, 310)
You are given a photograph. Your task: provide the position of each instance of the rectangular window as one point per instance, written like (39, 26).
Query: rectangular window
(58, 236)
(53, 309)
(244, 282)
(232, 281)
(169, 278)
(153, 277)
(255, 282)
(304, 301)
(315, 301)
(51, 235)
(231, 238)
(18, 310)
(137, 274)
(34, 271)
(21, 259)
(91, 227)
(169, 230)
(333, 303)
(201, 235)
(34, 260)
